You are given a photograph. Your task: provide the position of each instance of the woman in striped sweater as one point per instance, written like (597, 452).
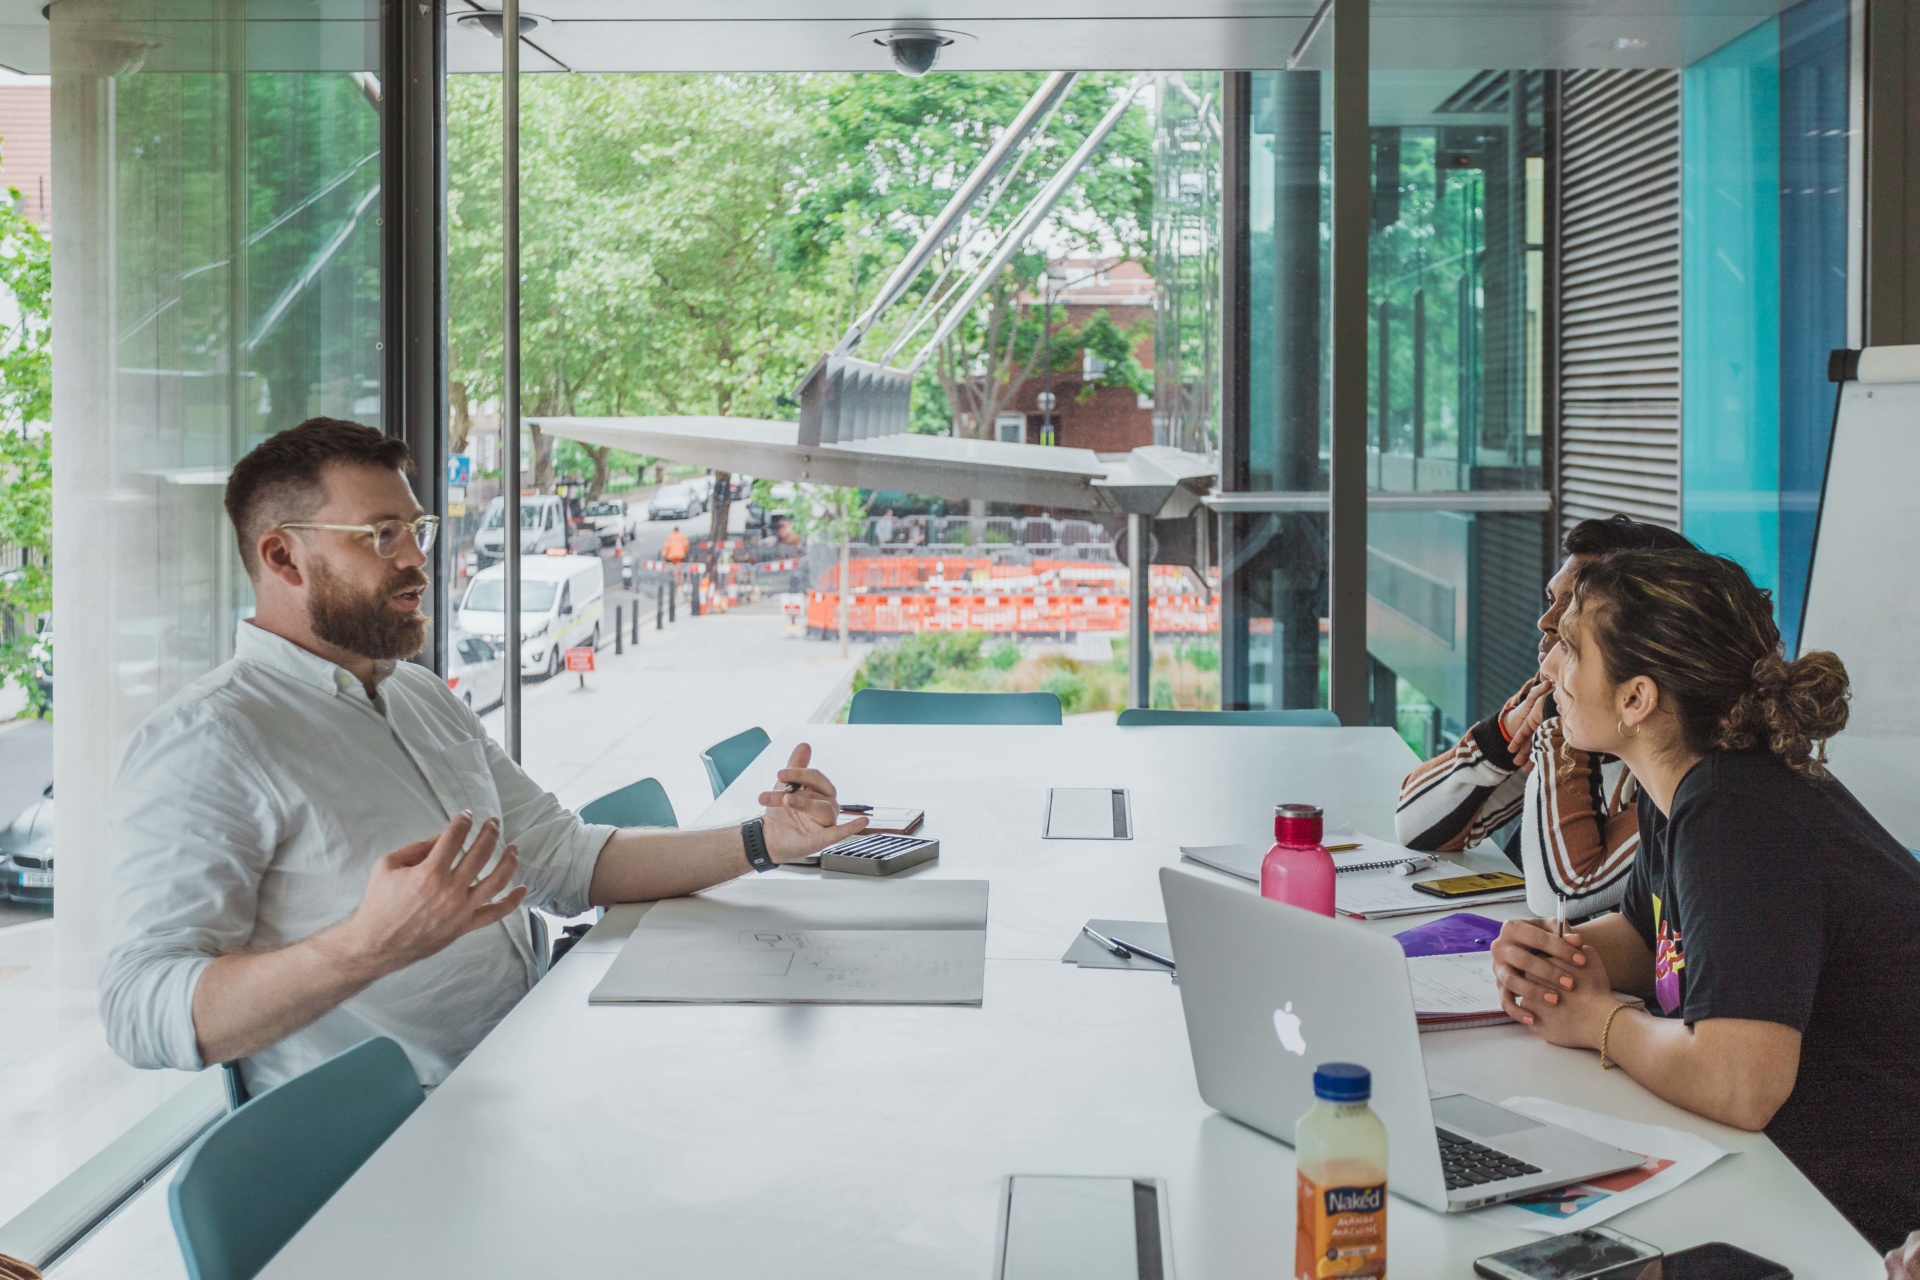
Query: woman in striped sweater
(1579, 825)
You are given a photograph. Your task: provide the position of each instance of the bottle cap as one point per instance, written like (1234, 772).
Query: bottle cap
(1297, 823)
(1342, 1082)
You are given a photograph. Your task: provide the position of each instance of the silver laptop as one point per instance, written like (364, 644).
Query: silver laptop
(1272, 991)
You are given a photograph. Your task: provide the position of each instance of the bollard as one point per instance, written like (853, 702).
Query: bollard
(619, 630)
(659, 606)
(635, 637)
(695, 597)
(673, 599)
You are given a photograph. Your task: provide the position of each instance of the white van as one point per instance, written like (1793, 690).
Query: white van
(543, 528)
(561, 600)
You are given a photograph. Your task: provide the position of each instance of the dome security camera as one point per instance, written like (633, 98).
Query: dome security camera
(914, 52)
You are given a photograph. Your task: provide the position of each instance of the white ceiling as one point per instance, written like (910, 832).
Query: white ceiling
(836, 35)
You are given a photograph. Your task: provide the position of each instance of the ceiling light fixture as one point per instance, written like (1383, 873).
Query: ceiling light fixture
(1625, 43)
(494, 23)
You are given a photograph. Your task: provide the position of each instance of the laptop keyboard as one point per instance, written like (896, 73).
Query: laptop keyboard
(1468, 1164)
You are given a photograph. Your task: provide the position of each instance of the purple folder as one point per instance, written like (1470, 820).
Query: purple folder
(1450, 935)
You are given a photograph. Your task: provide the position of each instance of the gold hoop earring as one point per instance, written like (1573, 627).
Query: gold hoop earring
(1623, 730)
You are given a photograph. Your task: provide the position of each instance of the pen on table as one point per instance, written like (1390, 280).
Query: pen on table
(856, 808)
(1106, 942)
(1134, 948)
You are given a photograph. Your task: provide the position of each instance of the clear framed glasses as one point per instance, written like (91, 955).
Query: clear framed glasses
(386, 534)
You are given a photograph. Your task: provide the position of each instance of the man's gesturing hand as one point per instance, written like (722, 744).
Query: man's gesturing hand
(801, 818)
(422, 896)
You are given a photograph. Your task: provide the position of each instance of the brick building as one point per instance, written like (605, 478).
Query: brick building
(1112, 419)
(26, 143)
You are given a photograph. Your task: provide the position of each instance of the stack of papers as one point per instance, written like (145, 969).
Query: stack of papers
(1364, 890)
(1455, 991)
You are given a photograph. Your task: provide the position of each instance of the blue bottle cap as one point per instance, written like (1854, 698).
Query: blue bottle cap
(1342, 1082)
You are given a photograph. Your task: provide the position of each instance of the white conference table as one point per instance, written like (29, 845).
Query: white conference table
(749, 1141)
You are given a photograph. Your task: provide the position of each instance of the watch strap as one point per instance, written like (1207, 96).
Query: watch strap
(753, 835)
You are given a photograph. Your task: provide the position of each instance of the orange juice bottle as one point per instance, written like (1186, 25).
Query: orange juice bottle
(1341, 1150)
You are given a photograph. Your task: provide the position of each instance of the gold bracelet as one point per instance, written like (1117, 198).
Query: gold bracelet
(1606, 1030)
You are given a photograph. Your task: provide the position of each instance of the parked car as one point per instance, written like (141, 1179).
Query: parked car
(611, 520)
(783, 495)
(26, 854)
(682, 501)
(543, 528)
(476, 670)
(561, 602)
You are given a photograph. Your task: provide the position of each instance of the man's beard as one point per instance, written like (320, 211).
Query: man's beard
(366, 624)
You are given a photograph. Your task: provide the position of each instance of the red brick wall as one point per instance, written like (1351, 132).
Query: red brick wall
(26, 146)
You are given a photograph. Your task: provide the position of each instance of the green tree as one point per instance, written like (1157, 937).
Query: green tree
(26, 446)
(897, 147)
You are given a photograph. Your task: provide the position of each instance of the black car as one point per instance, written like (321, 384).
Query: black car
(26, 854)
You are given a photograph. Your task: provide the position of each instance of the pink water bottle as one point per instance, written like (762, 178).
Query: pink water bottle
(1298, 869)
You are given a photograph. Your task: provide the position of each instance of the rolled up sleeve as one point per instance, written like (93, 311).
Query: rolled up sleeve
(191, 831)
(558, 852)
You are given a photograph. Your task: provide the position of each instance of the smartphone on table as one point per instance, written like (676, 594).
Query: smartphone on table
(1467, 886)
(1597, 1253)
(1721, 1261)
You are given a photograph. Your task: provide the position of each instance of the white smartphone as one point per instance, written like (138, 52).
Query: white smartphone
(1593, 1254)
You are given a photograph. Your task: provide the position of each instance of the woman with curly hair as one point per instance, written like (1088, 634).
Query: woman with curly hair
(1770, 924)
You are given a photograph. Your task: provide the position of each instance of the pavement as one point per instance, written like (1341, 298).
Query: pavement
(650, 711)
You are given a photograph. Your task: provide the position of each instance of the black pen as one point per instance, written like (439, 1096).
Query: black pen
(856, 808)
(1135, 949)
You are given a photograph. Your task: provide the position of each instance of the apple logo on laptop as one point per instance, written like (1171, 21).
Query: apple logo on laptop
(1286, 1025)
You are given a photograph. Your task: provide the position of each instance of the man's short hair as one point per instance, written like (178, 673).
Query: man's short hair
(282, 479)
(1619, 533)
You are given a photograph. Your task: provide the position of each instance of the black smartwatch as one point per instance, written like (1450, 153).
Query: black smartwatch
(755, 838)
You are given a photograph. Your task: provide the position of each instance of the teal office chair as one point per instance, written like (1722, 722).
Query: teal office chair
(640, 804)
(903, 706)
(726, 760)
(262, 1171)
(1302, 718)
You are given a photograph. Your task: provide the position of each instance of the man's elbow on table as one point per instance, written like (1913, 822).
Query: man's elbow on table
(146, 1008)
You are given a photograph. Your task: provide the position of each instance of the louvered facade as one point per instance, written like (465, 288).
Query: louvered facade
(1619, 303)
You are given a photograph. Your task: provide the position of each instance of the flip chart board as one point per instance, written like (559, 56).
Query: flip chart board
(1863, 599)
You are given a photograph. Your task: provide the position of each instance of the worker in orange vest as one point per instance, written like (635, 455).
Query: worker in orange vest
(675, 550)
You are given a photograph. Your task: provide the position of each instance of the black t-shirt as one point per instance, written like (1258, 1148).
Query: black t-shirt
(1767, 895)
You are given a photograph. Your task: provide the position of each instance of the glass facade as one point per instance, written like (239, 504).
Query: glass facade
(1456, 247)
(217, 255)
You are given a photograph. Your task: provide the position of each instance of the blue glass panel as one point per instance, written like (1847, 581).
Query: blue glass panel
(1730, 291)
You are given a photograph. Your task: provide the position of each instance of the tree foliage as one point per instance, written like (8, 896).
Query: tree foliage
(692, 243)
(26, 446)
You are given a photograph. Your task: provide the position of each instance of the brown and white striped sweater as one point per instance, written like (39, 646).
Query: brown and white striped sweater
(1580, 823)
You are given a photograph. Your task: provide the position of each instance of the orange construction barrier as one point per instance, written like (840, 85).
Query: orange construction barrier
(1024, 614)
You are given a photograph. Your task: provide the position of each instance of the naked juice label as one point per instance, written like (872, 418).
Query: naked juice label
(1342, 1231)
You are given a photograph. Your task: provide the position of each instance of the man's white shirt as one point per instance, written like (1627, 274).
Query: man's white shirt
(247, 815)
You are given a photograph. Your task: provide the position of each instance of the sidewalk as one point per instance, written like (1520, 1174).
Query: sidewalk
(651, 711)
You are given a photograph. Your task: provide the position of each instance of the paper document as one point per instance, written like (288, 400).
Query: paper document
(808, 942)
(1455, 991)
(1673, 1156)
(1151, 934)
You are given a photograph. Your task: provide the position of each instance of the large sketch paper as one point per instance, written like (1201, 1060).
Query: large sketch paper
(808, 942)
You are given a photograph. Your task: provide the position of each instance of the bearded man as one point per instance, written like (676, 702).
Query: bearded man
(316, 842)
